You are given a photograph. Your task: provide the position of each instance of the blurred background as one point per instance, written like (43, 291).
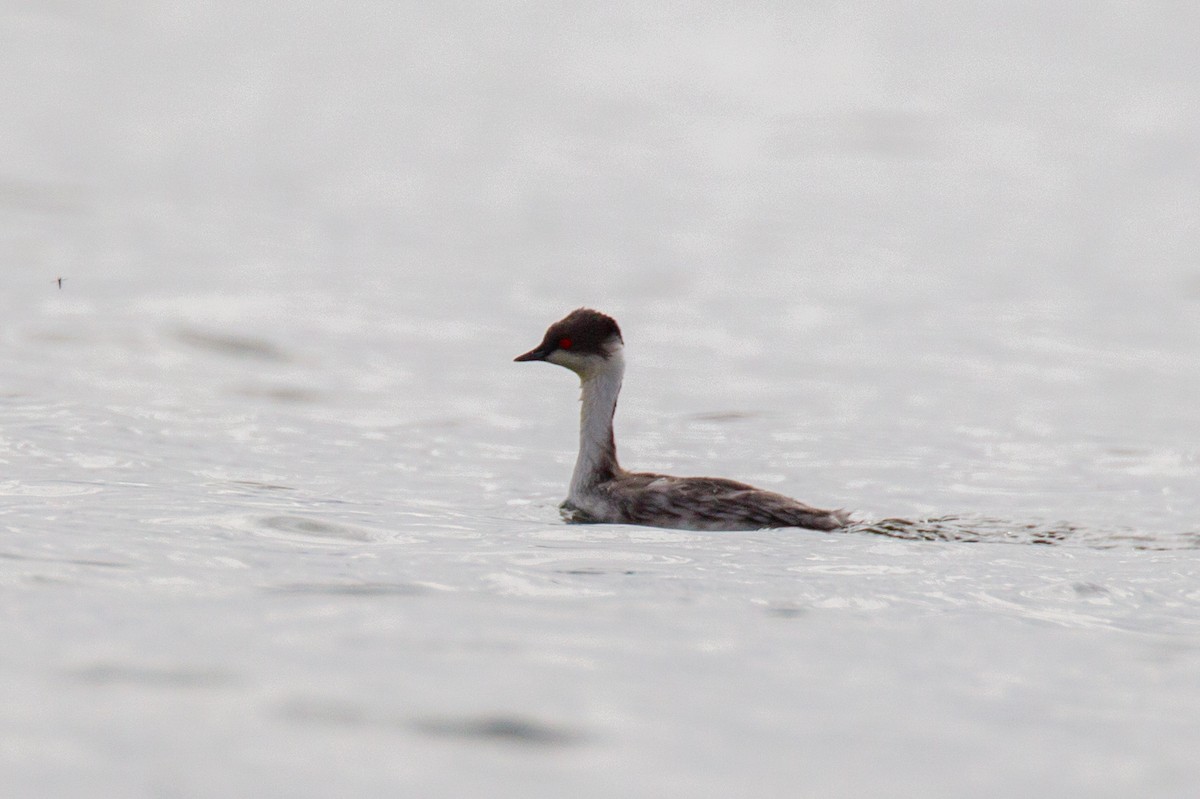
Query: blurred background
(914, 260)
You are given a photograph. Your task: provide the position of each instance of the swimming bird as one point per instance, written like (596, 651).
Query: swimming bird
(589, 343)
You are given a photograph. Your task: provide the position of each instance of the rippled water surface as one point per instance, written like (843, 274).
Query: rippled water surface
(278, 512)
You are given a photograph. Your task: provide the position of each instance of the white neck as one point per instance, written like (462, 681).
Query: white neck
(597, 459)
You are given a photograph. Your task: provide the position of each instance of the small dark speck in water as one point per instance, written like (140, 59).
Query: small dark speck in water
(786, 611)
(1090, 589)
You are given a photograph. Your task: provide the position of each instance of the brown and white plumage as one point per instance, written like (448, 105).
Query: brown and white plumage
(589, 343)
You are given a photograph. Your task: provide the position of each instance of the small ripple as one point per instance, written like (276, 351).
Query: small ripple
(786, 611)
(106, 564)
(843, 570)
(312, 711)
(65, 488)
(572, 557)
(594, 572)
(286, 395)
(499, 728)
(255, 484)
(154, 676)
(724, 416)
(232, 346)
(314, 528)
(350, 589)
(506, 729)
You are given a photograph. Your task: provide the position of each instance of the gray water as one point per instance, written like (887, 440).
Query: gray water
(278, 512)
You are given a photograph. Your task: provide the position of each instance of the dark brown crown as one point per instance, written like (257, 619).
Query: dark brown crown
(583, 331)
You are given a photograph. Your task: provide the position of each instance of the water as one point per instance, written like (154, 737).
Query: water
(277, 512)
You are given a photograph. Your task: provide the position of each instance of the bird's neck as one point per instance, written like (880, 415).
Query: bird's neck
(597, 459)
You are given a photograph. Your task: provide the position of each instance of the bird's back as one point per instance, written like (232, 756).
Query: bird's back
(698, 503)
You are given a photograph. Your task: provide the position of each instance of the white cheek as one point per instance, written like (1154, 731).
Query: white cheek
(581, 364)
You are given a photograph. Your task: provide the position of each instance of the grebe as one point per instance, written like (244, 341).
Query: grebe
(589, 344)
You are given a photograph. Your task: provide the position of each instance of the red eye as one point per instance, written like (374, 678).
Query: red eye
(564, 343)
